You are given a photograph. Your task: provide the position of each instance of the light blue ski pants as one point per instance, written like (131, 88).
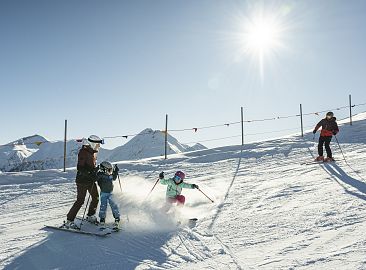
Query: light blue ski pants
(106, 198)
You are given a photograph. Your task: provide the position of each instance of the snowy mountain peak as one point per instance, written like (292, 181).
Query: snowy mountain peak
(149, 143)
(37, 153)
(30, 141)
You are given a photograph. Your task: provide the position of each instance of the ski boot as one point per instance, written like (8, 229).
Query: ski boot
(70, 225)
(329, 159)
(319, 158)
(102, 224)
(92, 219)
(116, 225)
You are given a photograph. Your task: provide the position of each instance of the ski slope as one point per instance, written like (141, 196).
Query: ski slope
(270, 212)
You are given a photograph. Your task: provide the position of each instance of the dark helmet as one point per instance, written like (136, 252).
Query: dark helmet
(329, 114)
(106, 167)
(179, 177)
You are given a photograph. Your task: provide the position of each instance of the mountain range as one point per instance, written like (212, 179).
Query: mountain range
(37, 153)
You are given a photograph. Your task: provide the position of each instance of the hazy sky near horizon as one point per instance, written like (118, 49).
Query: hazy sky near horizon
(117, 67)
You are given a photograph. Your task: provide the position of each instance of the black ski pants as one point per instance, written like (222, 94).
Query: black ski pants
(81, 193)
(325, 140)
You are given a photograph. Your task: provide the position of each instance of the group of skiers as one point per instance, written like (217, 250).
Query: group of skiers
(88, 174)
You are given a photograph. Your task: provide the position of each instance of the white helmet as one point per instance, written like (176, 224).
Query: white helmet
(106, 167)
(94, 142)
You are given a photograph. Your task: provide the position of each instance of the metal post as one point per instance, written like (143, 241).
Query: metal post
(166, 136)
(350, 110)
(65, 145)
(302, 124)
(242, 126)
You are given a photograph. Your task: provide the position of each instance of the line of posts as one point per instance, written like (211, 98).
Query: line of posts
(242, 129)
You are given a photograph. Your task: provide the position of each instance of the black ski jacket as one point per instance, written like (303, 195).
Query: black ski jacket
(87, 158)
(329, 127)
(105, 181)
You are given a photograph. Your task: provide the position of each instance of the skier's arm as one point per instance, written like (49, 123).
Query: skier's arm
(115, 172)
(336, 129)
(190, 186)
(164, 181)
(317, 126)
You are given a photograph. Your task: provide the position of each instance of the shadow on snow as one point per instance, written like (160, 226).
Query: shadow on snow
(124, 250)
(342, 178)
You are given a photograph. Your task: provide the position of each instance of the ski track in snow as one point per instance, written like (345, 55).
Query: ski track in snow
(270, 212)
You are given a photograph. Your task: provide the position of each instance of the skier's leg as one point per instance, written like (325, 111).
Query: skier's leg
(103, 205)
(327, 146)
(168, 204)
(81, 192)
(93, 190)
(180, 200)
(320, 146)
(114, 207)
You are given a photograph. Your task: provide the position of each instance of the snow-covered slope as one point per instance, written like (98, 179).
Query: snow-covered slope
(270, 212)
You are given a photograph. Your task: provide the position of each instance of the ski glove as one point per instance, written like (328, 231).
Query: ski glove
(116, 169)
(195, 186)
(161, 175)
(314, 131)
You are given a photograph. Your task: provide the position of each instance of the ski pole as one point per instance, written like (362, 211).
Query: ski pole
(152, 188)
(206, 195)
(86, 206)
(119, 180)
(340, 148)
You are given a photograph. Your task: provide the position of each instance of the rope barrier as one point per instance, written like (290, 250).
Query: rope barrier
(195, 129)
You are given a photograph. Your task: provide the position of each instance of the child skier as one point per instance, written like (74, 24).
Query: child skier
(329, 128)
(105, 177)
(174, 189)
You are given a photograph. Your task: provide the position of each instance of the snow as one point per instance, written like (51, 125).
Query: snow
(149, 143)
(26, 155)
(269, 211)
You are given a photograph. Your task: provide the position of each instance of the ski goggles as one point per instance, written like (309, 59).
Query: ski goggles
(177, 178)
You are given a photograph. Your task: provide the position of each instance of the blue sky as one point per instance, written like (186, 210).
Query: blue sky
(117, 67)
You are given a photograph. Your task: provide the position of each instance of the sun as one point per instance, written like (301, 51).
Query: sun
(260, 38)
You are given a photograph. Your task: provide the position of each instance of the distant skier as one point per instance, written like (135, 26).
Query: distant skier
(105, 177)
(329, 128)
(85, 180)
(174, 189)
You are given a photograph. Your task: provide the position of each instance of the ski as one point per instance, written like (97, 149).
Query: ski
(111, 228)
(191, 222)
(107, 227)
(311, 162)
(101, 233)
(317, 162)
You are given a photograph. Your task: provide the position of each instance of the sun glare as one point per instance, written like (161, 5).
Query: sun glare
(260, 38)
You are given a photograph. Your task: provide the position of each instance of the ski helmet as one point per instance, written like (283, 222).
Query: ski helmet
(106, 167)
(329, 114)
(94, 142)
(179, 175)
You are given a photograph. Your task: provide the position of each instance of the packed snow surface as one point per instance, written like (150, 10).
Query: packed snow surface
(270, 211)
